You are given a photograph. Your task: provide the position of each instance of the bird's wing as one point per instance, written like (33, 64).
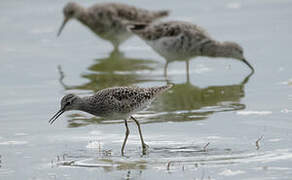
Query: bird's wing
(134, 14)
(167, 29)
(126, 14)
(155, 31)
(131, 99)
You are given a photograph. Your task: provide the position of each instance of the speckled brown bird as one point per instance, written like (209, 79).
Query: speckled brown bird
(179, 40)
(109, 20)
(117, 102)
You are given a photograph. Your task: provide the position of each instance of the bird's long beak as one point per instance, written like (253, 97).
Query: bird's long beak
(54, 118)
(249, 65)
(62, 26)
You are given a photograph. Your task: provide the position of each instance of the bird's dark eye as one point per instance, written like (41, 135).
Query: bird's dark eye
(70, 13)
(68, 103)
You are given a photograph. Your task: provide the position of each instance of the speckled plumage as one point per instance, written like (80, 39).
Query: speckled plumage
(119, 102)
(109, 20)
(178, 40)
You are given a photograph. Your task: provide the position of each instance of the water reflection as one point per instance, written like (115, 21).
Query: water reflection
(187, 71)
(188, 102)
(184, 102)
(190, 156)
(115, 70)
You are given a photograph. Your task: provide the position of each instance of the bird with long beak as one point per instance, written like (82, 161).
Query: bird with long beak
(109, 20)
(118, 102)
(181, 41)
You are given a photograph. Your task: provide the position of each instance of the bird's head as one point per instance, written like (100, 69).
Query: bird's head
(70, 11)
(234, 50)
(68, 102)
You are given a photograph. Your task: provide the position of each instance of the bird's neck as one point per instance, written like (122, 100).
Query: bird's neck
(88, 107)
(82, 14)
(215, 49)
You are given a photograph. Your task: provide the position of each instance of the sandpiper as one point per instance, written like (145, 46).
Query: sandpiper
(109, 20)
(117, 102)
(178, 40)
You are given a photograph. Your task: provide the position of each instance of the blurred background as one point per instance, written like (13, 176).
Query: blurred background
(217, 122)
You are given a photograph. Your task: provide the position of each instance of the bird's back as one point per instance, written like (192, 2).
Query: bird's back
(126, 13)
(174, 40)
(168, 29)
(124, 100)
(109, 20)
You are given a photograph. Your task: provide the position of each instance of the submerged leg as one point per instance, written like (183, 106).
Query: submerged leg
(188, 70)
(165, 69)
(126, 137)
(144, 145)
(116, 46)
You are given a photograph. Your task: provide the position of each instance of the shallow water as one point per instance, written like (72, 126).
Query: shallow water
(204, 128)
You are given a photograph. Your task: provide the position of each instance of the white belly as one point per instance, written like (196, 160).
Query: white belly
(172, 48)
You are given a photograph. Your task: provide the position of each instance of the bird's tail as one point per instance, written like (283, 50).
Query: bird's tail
(161, 13)
(134, 27)
(137, 28)
(168, 86)
(161, 89)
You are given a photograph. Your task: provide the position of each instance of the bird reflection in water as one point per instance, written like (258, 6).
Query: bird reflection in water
(188, 102)
(185, 101)
(115, 70)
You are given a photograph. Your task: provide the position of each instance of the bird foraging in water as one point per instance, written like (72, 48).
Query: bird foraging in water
(178, 40)
(109, 20)
(118, 102)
